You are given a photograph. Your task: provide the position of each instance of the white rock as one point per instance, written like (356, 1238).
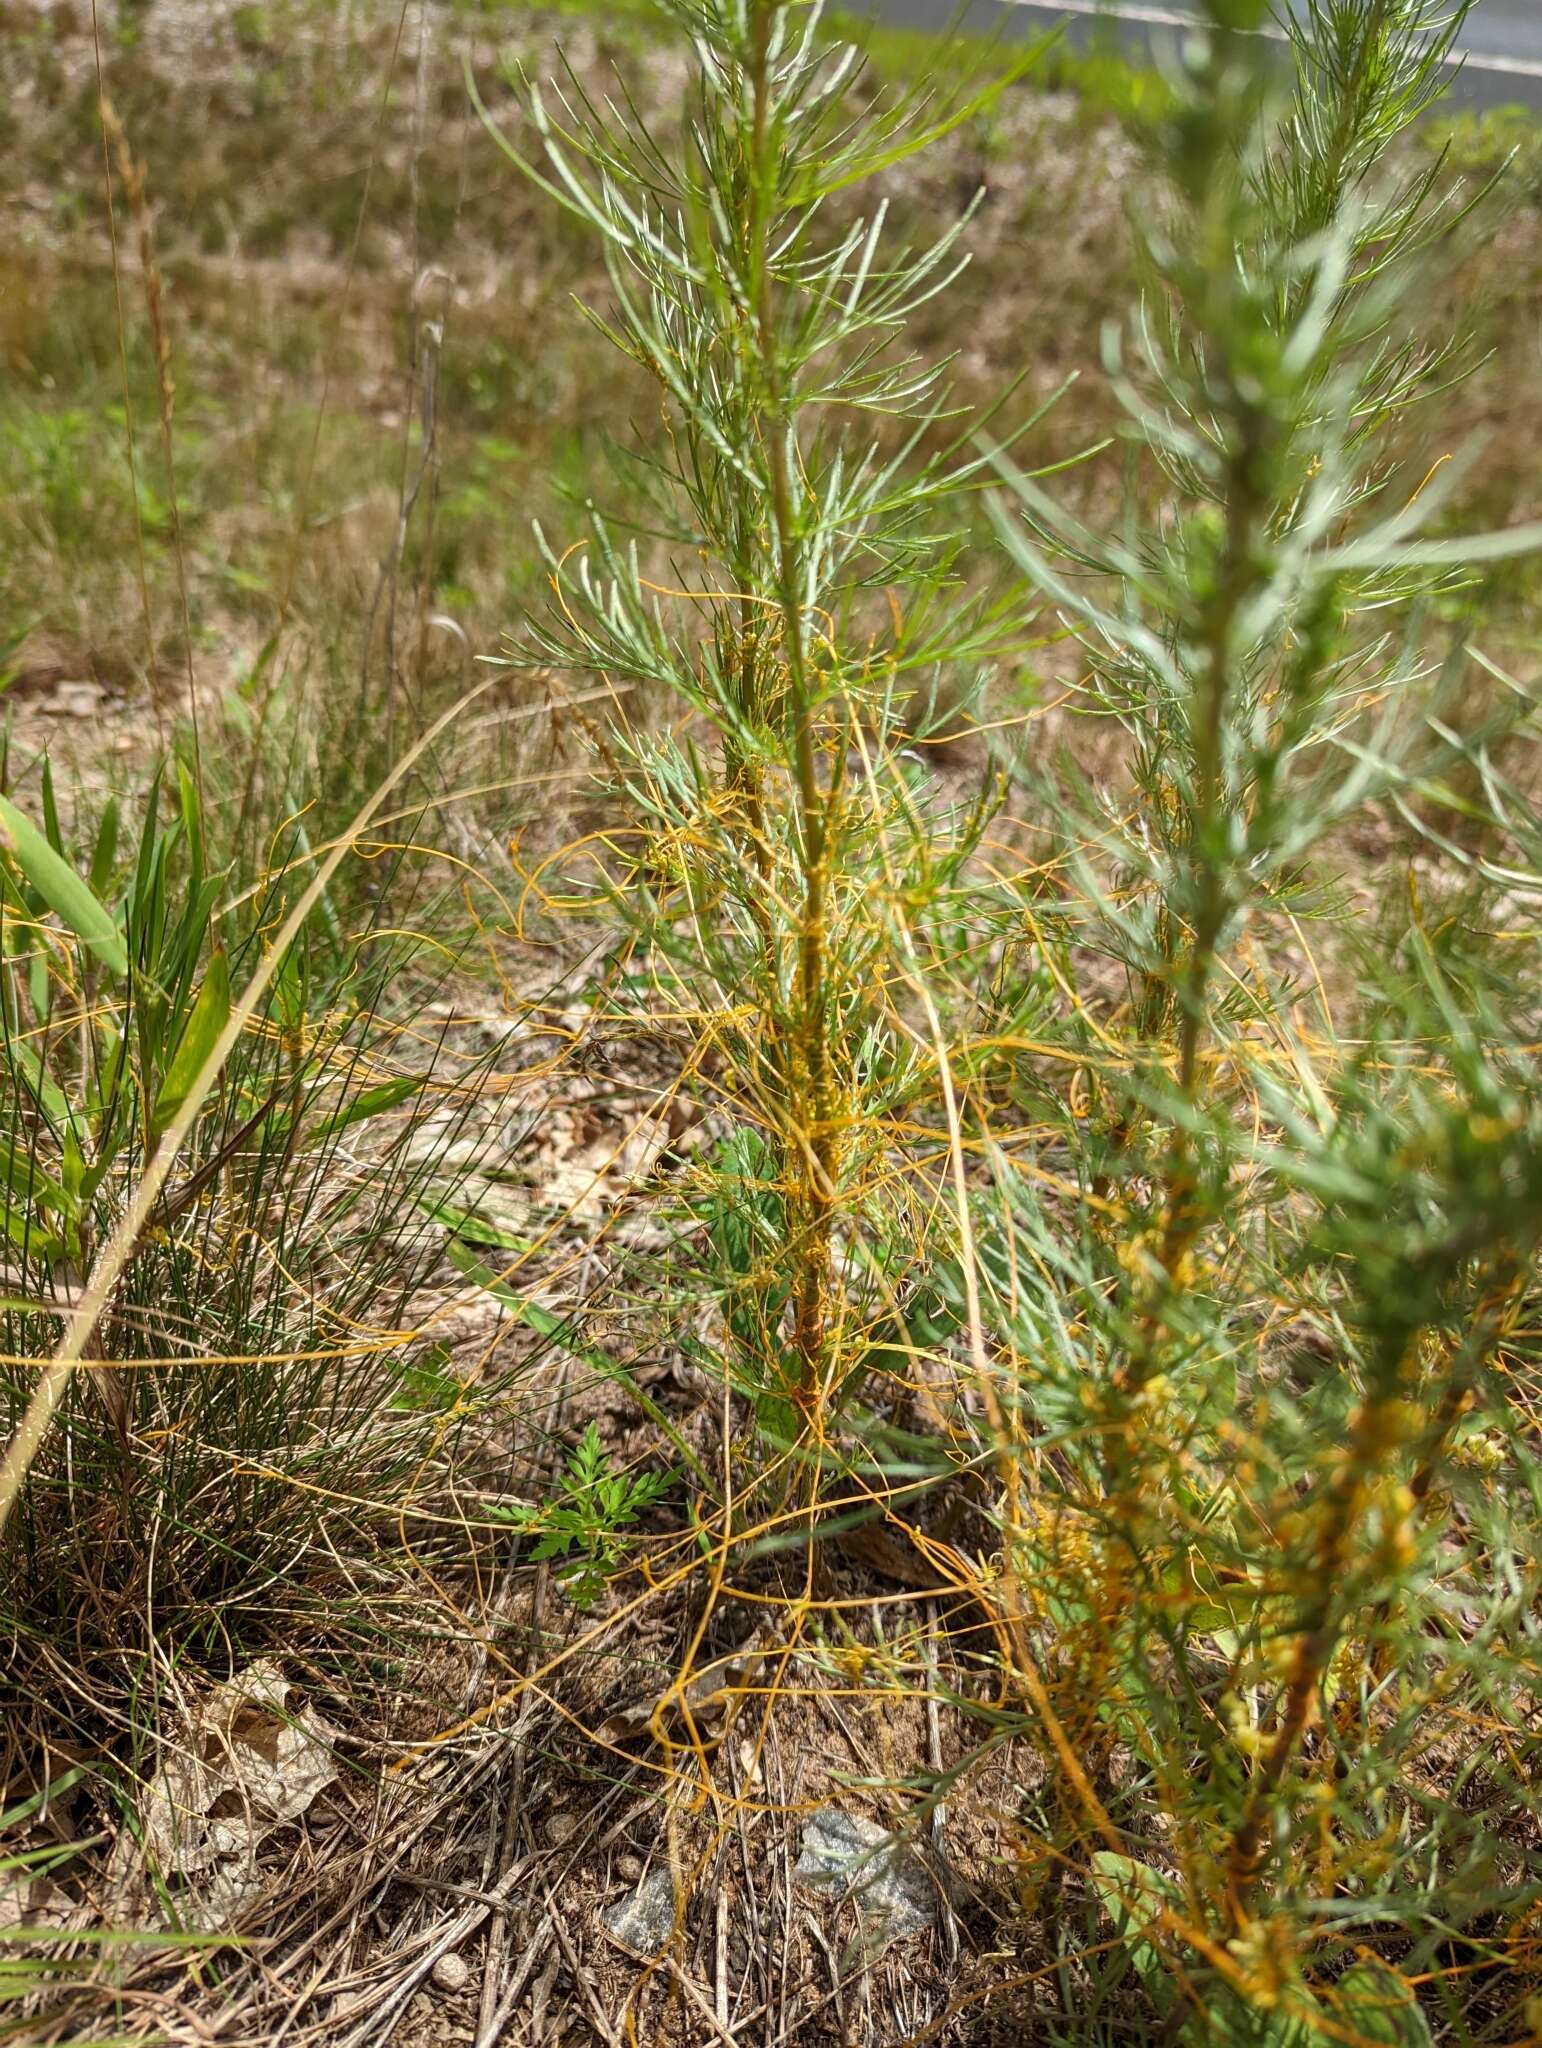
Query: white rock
(451, 1972)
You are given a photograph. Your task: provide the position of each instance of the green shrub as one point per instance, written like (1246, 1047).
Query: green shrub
(1177, 1186)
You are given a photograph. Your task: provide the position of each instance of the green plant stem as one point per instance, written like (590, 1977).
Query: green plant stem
(1213, 897)
(1374, 1434)
(811, 1135)
(1213, 890)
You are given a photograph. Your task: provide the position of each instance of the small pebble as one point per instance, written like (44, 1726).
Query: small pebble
(450, 1973)
(560, 1827)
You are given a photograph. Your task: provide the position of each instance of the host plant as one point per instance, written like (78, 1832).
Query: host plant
(1209, 1153)
(792, 877)
(1254, 1358)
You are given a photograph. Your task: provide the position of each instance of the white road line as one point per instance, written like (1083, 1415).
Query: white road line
(1171, 17)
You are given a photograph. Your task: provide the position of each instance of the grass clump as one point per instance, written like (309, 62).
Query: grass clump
(254, 1403)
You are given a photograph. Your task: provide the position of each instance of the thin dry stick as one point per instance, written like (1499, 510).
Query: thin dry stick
(120, 1247)
(133, 176)
(129, 446)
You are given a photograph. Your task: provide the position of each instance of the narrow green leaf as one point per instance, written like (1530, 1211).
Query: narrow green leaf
(35, 1802)
(246, 689)
(1134, 1896)
(40, 986)
(559, 1330)
(207, 1019)
(371, 1102)
(43, 1089)
(51, 829)
(72, 1169)
(28, 1234)
(897, 147)
(149, 843)
(106, 847)
(289, 990)
(21, 1176)
(471, 1228)
(192, 820)
(428, 1383)
(12, 643)
(61, 888)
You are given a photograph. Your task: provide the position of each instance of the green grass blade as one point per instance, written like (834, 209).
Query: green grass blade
(61, 888)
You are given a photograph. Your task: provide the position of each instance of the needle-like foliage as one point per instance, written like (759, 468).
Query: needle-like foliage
(1251, 1357)
(798, 592)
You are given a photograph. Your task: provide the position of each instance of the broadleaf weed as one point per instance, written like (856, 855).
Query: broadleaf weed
(585, 1524)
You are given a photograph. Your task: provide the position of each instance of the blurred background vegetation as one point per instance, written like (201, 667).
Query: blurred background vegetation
(358, 299)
